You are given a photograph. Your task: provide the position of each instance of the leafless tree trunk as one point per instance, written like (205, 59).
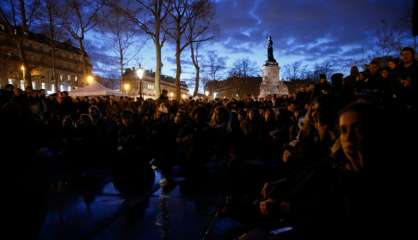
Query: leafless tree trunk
(150, 16)
(191, 21)
(123, 36)
(194, 51)
(81, 16)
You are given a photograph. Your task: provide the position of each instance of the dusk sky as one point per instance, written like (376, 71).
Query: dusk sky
(311, 31)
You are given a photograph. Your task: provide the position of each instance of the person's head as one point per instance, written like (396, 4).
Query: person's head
(9, 87)
(291, 106)
(180, 117)
(268, 115)
(84, 121)
(373, 68)
(127, 118)
(384, 73)
(34, 107)
(94, 112)
(358, 124)
(407, 55)
(354, 71)
(391, 64)
(220, 115)
(67, 122)
(200, 115)
(164, 93)
(322, 78)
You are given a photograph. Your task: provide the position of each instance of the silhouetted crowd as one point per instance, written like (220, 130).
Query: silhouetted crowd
(322, 160)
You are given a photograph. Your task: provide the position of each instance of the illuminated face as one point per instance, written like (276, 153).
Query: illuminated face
(352, 135)
(407, 57)
(391, 65)
(373, 68)
(384, 73)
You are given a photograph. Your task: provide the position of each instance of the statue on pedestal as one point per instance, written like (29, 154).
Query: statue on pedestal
(270, 55)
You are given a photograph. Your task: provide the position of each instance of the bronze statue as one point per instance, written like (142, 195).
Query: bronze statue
(270, 51)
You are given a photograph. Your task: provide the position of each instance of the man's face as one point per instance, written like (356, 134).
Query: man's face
(391, 65)
(406, 56)
(373, 69)
(352, 135)
(384, 73)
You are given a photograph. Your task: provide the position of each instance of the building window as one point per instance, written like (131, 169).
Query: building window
(33, 85)
(76, 78)
(52, 87)
(43, 85)
(68, 77)
(150, 86)
(69, 88)
(61, 77)
(10, 81)
(62, 88)
(22, 84)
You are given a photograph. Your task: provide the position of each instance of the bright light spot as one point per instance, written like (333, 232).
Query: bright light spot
(43, 85)
(140, 73)
(22, 68)
(126, 86)
(90, 79)
(207, 93)
(22, 84)
(171, 94)
(183, 96)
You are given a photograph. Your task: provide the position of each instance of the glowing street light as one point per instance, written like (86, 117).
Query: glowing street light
(183, 96)
(140, 74)
(171, 94)
(90, 79)
(23, 71)
(126, 86)
(207, 93)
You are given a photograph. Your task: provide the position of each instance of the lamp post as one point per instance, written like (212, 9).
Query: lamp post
(23, 72)
(140, 74)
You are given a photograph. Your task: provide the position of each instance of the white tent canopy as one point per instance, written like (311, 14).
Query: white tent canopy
(94, 89)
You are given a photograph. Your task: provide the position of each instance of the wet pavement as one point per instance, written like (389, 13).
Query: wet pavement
(157, 216)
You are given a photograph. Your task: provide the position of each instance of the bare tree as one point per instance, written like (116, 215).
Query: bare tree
(325, 67)
(52, 26)
(21, 15)
(200, 29)
(122, 34)
(80, 17)
(189, 23)
(214, 65)
(243, 68)
(293, 71)
(150, 16)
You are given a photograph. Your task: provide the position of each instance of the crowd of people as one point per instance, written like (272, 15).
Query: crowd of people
(321, 159)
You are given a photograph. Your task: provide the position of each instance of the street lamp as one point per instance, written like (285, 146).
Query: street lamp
(90, 79)
(183, 96)
(23, 71)
(140, 74)
(126, 86)
(207, 93)
(171, 95)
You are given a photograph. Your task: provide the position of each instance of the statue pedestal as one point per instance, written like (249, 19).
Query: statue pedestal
(271, 85)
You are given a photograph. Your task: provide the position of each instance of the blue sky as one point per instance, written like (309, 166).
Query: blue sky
(310, 31)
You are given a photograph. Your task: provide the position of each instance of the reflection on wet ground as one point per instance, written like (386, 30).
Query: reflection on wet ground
(159, 215)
